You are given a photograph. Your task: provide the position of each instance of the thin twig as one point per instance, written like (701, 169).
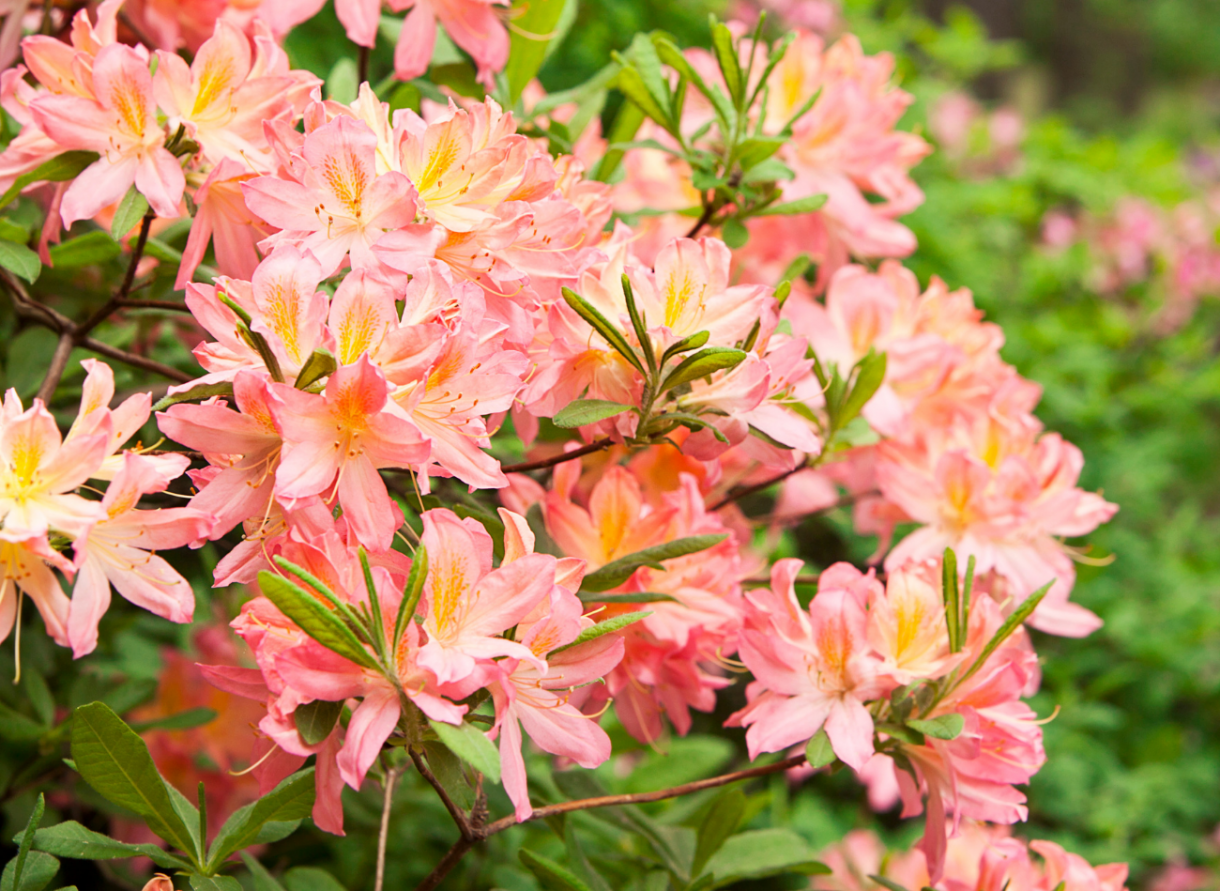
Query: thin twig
(362, 65)
(596, 446)
(709, 210)
(391, 777)
(462, 845)
(757, 487)
(169, 305)
(59, 362)
(459, 815)
(104, 349)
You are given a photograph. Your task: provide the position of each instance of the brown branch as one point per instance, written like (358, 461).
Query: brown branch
(362, 65)
(595, 446)
(459, 815)
(709, 210)
(391, 777)
(59, 362)
(464, 844)
(757, 487)
(104, 349)
(169, 305)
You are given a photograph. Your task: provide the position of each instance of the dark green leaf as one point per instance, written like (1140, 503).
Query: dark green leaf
(292, 799)
(20, 260)
(315, 618)
(310, 878)
(16, 727)
(761, 853)
(888, 883)
(23, 847)
(39, 694)
(411, 594)
(720, 822)
(948, 726)
(197, 393)
(701, 364)
(263, 880)
(90, 248)
(37, 870)
(818, 751)
(57, 170)
(195, 717)
(471, 745)
(533, 26)
(448, 769)
(321, 363)
(580, 412)
(612, 335)
(129, 212)
(315, 720)
(690, 342)
(789, 208)
(870, 375)
(730, 66)
(576, 856)
(641, 597)
(615, 573)
(601, 629)
(114, 761)
(550, 874)
(275, 830)
(214, 883)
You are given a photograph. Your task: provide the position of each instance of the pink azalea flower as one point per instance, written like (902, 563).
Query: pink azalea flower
(811, 671)
(473, 25)
(337, 440)
(336, 204)
(121, 125)
(116, 551)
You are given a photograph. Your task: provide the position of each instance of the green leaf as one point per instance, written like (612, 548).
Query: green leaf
(214, 883)
(39, 695)
(769, 171)
(618, 571)
(355, 622)
(730, 66)
(292, 799)
(631, 85)
(577, 857)
(533, 25)
(194, 717)
(672, 56)
(601, 629)
(310, 878)
(701, 364)
(450, 772)
(275, 830)
(762, 853)
(321, 363)
(753, 151)
(315, 618)
(690, 342)
(637, 324)
(720, 822)
(790, 208)
(734, 233)
(468, 743)
(626, 124)
(37, 870)
(27, 839)
(609, 333)
(92, 247)
(315, 720)
(343, 82)
(580, 412)
(818, 751)
(114, 761)
(76, 842)
(948, 726)
(1018, 617)
(870, 373)
(20, 260)
(640, 597)
(263, 880)
(411, 593)
(57, 170)
(197, 393)
(550, 874)
(648, 64)
(129, 212)
(888, 883)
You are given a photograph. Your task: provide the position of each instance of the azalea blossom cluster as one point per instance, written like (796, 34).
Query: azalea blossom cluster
(982, 857)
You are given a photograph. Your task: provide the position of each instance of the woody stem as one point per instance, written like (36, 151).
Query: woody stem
(391, 778)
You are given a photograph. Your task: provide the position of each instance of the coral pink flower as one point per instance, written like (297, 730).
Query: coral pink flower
(473, 25)
(812, 670)
(116, 551)
(121, 125)
(338, 203)
(26, 568)
(338, 440)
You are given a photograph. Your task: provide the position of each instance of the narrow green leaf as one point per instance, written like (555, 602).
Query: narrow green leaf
(626, 124)
(577, 857)
(761, 853)
(263, 880)
(720, 822)
(778, 51)
(76, 842)
(533, 27)
(618, 571)
(550, 874)
(310, 878)
(672, 56)
(638, 324)
(730, 66)
(275, 830)
(601, 629)
(631, 85)
(948, 726)
(321, 363)
(20, 260)
(471, 745)
(818, 751)
(292, 799)
(648, 64)
(315, 618)
(707, 361)
(791, 208)
(1018, 617)
(114, 761)
(411, 594)
(889, 884)
(602, 326)
(315, 720)
(27, 839)
(355, 622)
(948, 572)
(130, 211)
(85, 250)
(197, 393)
(580, 412)
(870, 374)
(39, 694)
(377, 621)
(640, 597)
(59, 169)
(194, 717)
(38, 870)
(690, 342)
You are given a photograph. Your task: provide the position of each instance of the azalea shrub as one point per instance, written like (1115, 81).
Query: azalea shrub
(466, 444)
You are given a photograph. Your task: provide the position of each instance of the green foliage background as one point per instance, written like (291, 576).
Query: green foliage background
(1116, 93)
